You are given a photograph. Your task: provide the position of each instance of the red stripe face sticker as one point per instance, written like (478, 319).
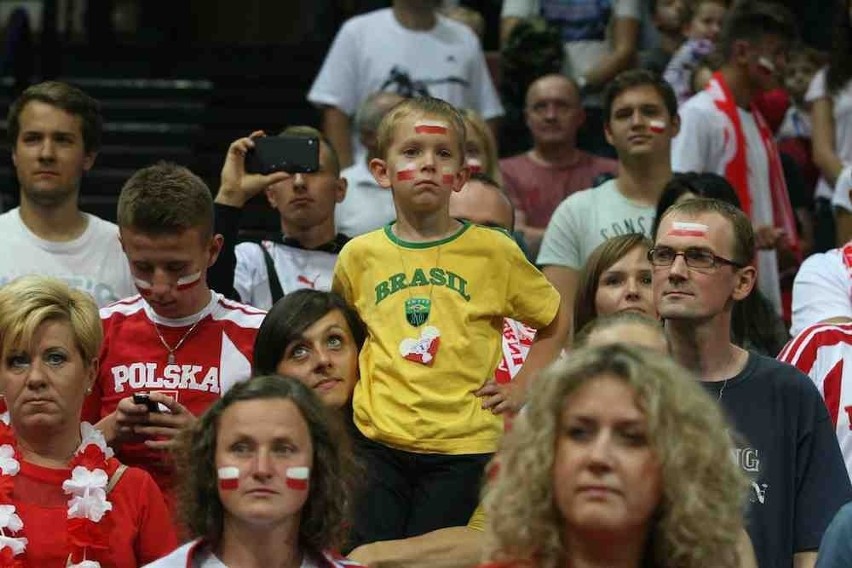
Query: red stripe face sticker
(687, 230)
(406, 174)
(297, 478)
(765, 65)
(143, 286)
(427, 127)
(229, 478)
(657, 126)
(474, 165)
(448, 179)
(190, 281)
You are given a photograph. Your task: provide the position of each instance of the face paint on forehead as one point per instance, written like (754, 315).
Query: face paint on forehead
(229, 478)
(430, 127)
(297, 477)
(189, 281)
(680, 229)
(657, 126)
(405, 171)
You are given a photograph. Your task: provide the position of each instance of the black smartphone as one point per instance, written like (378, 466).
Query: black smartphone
(291, 154)
(142, 398)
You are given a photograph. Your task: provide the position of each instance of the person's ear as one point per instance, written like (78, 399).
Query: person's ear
(92, 374)
(271, 196)
(461, 178)
(608, 133)
(746, 278)
(89, 161)
(741, 51)
(214, 248)
(341, 186)
(381, 172)
(675, 125)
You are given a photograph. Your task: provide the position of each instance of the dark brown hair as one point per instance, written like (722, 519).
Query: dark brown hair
(633, 78)
(753, 20)
(66, 97)
(743, 233)
(325, 515)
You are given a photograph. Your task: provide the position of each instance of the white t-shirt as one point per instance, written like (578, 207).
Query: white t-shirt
(296, 268)
(373, 52)
(842, 109)
(821, 290)
(588, 218)
(367, 206)
(586, 27)
(93, 262)
(707, 143)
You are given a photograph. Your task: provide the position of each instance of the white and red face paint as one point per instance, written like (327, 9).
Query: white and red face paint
(430, 127)
(688, 230)
(406, 171)
(298, 478)
(765, 65)
(229, 478)
(474, 165)
(657, 126)
(183, 283)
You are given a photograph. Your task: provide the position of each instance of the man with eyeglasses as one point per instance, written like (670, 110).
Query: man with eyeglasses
(702, 263)
(554, 168)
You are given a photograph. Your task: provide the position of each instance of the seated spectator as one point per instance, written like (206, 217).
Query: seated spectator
(409, 49)
(177, 341)
(55, 131)
(702, 258)
(754, 324)
(600, 41)
(830, 97)
(702, 23)
(615, 278)
(835, 551)
(267, 477)
(667, 18)
(642, 120)
(822, 289)
(629, 328)
(617, 460)
(50, 336)
(480, 149)
(540, 179)
(367, 206)
(263, 272)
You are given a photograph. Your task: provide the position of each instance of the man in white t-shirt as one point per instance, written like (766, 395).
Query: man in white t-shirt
(263, 272)
(722, 132)
(367, 205)
(55, 132)
(822, 291)
(408, 49)
(641, 120)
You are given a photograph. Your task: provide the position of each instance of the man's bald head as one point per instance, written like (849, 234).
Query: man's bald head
(484, 202)
(550, 82)
(554, 112)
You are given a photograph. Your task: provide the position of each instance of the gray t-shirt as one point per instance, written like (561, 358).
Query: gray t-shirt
(588, 218)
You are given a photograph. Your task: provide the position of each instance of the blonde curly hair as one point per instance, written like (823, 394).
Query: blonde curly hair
(698, 521)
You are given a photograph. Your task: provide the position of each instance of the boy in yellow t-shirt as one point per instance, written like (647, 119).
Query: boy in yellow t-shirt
(433, 292)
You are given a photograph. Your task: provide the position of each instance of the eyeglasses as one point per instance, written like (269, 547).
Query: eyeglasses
(693, 257)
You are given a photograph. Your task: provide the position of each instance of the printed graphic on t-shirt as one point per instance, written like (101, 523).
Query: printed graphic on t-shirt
(640, 224)
(436, 277)
(402, 83)
(749, 461)
(579, 20)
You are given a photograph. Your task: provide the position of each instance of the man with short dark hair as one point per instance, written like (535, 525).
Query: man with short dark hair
(702, 265)
(538, 180)
(177, 342)
(55, 133)
(641, 119)
(723, 132)
(263, 272)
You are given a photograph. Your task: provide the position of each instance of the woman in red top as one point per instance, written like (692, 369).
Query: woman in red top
(620, 459)
(64, 500)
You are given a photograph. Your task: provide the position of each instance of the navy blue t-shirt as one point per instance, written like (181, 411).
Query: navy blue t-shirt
(786, 445)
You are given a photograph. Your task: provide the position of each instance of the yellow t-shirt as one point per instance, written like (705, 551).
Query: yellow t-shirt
(477, 519)
(463, 287)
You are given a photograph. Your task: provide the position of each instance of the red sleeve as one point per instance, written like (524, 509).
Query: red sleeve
(156, 536)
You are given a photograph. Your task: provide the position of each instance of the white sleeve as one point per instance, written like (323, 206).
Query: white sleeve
(485, 99)
(519, 9)
(250, 278)
(699, 145)
(820, 291)
(842, 196)
(560, 245)
(336, 83)
(817, 89)
(627, 9)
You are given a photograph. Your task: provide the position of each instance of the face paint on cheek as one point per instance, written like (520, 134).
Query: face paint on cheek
(765, 65)
(190, 281)
(474, 165)
(688, 230)
(297, 478)
(406, 172)
(229, 478)
(657, 126)
(430, 127)
(448, 179)
(143, 286)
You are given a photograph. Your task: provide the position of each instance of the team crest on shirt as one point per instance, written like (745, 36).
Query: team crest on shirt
(417, 310)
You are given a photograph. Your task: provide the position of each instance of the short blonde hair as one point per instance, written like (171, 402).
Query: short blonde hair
(698, 521)
(475, 123)
(420, 107)
(29, 301)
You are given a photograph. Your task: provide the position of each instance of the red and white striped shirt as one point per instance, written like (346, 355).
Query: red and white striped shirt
(824, 352)
(213, 357)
